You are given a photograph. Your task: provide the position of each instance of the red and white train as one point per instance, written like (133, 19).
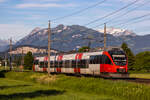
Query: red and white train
(110, 63)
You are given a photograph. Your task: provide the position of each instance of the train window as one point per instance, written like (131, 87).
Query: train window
(56, 64)
(100, 59)
(41, 64)
(66, 64)
(74, 63)
(83, 64)
(91, 59)
(95, 60)
(63, 63)
(60, 63)
(78, 63)
(46, 64)
(87, 63)
(36, 62)
(105, 60)
(52, 64)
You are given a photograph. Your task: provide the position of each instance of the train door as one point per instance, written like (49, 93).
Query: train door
(36, 65)
(106, 64)
(94, 66)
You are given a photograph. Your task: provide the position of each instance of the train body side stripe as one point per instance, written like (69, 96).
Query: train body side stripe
(46, 58)
(44, 69)
(60, 57)
(58, 69)
(77, 70)
(34, 68)
(78, 56)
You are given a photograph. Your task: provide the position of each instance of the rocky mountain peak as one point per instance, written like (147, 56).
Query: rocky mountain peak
(35, 30)
(59, 28)
(118, 32)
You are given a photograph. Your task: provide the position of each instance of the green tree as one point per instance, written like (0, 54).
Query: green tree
(143, 61)
(130, 55)
(1, 58)
(84, 49)
(28, 60)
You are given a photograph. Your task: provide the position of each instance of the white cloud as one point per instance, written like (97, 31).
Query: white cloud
(35, 5)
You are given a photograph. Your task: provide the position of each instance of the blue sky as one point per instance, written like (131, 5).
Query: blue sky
(19, 17)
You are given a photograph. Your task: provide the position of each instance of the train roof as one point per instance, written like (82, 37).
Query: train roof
(73, 56)
(85, 55)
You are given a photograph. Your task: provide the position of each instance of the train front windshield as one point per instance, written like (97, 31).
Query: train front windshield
(119, 57)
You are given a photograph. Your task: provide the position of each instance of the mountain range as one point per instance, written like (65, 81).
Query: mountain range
(3, 45)
(66, 38)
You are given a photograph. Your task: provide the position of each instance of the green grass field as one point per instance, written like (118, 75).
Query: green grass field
(25, 89)
(19, 90)
(38, 86)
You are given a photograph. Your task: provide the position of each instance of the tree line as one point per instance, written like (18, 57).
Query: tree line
(138, 62)
(26, 61)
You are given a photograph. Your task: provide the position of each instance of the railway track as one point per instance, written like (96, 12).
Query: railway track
(136, 80)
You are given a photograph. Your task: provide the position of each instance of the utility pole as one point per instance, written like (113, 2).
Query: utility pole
(10, 54)
(49, 45)
(104, 36)
(5, 60)
(22, 60)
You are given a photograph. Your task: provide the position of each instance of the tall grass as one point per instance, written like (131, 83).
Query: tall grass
(123, 89)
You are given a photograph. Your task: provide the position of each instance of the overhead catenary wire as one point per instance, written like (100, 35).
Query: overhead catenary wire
(74, 13)
(120, 16)
(145, 19)
(133, 19)
(112, 13)
(79, 11)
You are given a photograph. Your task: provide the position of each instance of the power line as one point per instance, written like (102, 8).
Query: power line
(79, 11)
(120, 16)
(112, 13)
(133, 19)
(138, 21)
